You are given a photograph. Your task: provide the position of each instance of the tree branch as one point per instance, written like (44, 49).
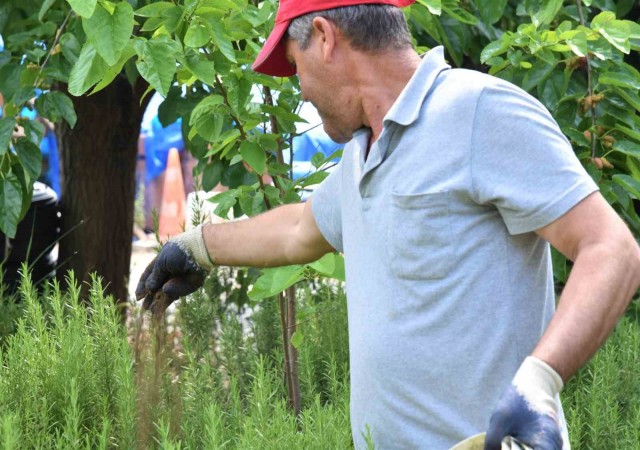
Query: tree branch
(589, 85)
(53, 46)
(243, 134)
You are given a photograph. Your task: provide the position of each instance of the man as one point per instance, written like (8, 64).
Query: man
(451, 186)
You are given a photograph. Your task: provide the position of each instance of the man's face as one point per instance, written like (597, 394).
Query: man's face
(324, 86)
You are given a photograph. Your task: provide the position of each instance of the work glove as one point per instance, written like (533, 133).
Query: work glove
(178, 270)
(528, 410)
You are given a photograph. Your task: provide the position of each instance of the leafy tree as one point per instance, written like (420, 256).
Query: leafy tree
(579, 58)
(43, 42)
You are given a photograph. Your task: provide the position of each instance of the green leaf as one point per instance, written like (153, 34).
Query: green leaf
(459, 14)
(252, 203)
(623, 80)
(83, 8)
(154, 9)
(237, 175)
(71, 47)
(7, 125)
(222, 41)
(493, 49)
(23, 95)
(30, 157)
(630, 97)
(325, 265)
(198, 34)
(628, 148)
(552, 90)
(5, 58)
(559, 264)
(87, 71)
(547, 13)
(152, 24)
(628, 131)
(634, 166)
(536, 74)
(10, 80)
(491, 10)
(631, 185)
(253, 155)
(314, 178)
(201, 68)
(156, 62)
(282, 114)
(297, 338)
(10, 204)
(578, 43)
(224, 202)
(275, 280)
(426, 21)
(634, 29)
(211, 175)
(318, 159)
(210, 127)
(110, 33)
(34, 131)
(617, 32)
(207, 117)
(112, 72)
(46, 5)
(330, 265)
(434, 6)
(26, 186)
(54, 105)
(172, 18)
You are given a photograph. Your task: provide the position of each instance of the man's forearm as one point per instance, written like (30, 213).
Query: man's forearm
(278, 237)
(601, 284)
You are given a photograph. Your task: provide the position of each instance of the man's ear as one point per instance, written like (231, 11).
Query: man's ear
(327, 34)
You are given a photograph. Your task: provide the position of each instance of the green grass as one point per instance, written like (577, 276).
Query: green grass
(69, 378)
(602, 402)
(72, 377)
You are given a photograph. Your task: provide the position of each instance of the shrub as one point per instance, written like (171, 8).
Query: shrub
(69, 378)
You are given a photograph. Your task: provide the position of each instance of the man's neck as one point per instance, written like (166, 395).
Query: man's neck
(380, 79)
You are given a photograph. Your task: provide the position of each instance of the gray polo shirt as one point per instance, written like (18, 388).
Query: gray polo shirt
(448, 286)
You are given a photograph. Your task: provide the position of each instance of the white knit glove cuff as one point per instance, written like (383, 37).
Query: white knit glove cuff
(192, 242)
(539, 384)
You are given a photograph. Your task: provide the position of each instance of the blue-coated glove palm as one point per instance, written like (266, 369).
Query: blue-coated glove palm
(528, 410)
(179, 269)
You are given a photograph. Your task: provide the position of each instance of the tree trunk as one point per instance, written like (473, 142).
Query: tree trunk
(98, 185)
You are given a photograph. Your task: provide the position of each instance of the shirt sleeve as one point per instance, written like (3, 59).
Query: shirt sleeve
(521, 162)
(326, 208)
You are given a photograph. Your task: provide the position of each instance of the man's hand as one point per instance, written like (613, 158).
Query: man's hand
(179, 269)
(527, 410)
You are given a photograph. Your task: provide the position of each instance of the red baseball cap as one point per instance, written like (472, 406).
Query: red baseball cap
(272, 59)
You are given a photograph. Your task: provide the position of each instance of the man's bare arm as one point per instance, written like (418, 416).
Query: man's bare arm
(605, 275)
(285, 235)
(282, 236)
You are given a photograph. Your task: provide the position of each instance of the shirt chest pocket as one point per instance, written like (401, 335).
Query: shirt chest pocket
(419, 238)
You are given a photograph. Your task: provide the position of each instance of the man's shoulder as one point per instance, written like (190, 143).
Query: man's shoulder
(466, 81)
(469, 86)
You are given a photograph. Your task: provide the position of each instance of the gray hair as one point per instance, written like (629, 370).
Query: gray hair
(368, 27)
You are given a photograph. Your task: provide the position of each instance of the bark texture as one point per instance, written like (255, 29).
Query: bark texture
(98, 182)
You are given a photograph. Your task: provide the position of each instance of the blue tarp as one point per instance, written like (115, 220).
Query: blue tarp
(308, 144)
(157, 144)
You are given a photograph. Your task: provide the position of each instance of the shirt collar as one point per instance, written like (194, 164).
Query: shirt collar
(406, 109)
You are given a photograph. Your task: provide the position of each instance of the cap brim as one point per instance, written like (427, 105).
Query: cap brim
(272, 59)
